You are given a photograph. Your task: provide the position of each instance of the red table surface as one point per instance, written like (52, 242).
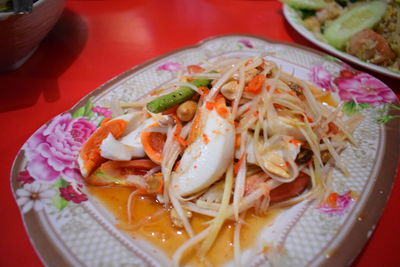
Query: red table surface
(98, 39)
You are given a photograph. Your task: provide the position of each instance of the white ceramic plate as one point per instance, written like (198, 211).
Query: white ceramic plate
(295, 21)
(69, 227)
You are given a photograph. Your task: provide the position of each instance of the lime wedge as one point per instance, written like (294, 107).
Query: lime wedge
(362, 16)
(306, 4)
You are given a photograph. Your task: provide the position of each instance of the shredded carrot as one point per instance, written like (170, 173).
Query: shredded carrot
(177, 133)
(204, 90)
(254, 86)
(237, 164)
(178, 129)
(237, 141)
(277, 106)
(255, 114)
(309, 120)
(195, 69)
(155, 92)
(295, 142)
(277, 91)
(332, 128)
(177, 165)
(292, 93)
(182, 141)
(171, 110)
(248, 62)
(332, 200)
(236, 123)
(223, 112)
(206, 139)
(195, 128)
(209, 105)
(220, 106)
(176, 119)
(103, 122)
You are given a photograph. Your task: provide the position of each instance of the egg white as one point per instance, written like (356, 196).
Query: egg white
(203, 163)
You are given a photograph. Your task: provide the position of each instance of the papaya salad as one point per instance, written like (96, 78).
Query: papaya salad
(232, 137)
(368, 30)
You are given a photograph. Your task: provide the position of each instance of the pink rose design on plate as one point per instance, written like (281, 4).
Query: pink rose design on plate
(102, 111)
(246, 43)
(363, 88)
(52, 151)
(321, 77)
(337, 204)
(170, 66)
(70, 194)
(25, 178)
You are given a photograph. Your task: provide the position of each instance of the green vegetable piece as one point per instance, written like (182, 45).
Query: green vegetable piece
(201, 82)
(306, 4)
(167, 101)
(102, 175)
(343, 3)
(184, 93)
(305, 13)
(363, 16)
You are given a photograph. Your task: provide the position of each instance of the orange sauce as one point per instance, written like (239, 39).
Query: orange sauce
(159, 231)
(327, 99)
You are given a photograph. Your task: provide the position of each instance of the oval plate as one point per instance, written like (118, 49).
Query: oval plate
(70, 228)
(295, 21)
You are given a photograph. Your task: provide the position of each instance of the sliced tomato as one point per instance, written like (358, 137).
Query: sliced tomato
(194, 69)
(116, 172)
(289, 190)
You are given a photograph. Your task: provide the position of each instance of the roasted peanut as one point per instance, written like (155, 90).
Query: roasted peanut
(229, 89)
(250, 74)
(186, 110)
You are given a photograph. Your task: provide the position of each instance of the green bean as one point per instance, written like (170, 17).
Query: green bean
(184, 93)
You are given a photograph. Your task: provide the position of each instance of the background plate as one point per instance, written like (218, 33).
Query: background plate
(294, 20)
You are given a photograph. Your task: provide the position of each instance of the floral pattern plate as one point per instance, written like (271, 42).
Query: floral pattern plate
(295, 21)
(69, 227)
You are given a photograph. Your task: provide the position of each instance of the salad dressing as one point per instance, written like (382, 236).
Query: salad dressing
(327, 99)
(159, 231)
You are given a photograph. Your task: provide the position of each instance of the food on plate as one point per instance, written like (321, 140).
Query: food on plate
(360, 17)
(7, 5)
(225, 142)
(370, 46)
(368, 30)
(306, 4)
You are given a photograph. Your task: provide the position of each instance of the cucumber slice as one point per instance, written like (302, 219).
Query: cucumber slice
(361, 17)
(306, 4)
